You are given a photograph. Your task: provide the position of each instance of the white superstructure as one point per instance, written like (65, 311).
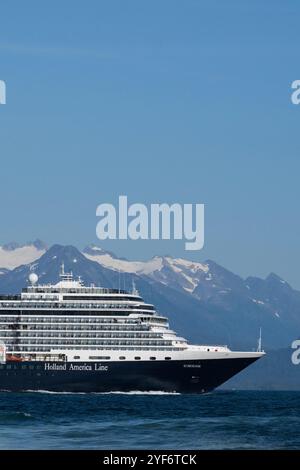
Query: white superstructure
(70, 322)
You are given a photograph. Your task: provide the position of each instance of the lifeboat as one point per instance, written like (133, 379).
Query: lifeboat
(12, 358)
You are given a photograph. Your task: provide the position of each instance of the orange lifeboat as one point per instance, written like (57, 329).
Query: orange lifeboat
(12, 358)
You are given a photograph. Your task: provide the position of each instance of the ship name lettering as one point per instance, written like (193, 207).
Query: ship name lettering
(80, 367)
(100, 367)
(192, 365)
(49, 366)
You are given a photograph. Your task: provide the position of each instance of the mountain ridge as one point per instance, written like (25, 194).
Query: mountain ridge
(208, 302)
(204, 302)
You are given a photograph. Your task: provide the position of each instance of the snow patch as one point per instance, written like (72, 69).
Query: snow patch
(133, 267)
(186, 271)
(258, 301)
(192, 266)
(11, 259)
(191, 281)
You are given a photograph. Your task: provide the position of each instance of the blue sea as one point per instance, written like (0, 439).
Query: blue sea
(219, 420)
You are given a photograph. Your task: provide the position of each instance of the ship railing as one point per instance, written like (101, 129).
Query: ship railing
(209, 346)
(55, 305)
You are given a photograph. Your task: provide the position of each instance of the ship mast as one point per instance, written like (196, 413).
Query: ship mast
(259, 343)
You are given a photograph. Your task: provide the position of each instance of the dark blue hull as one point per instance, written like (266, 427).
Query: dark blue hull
(193, 376)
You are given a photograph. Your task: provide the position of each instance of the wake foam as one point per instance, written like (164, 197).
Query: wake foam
(133, 392)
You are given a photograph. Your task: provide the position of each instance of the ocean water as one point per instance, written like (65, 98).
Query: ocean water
(219, 420)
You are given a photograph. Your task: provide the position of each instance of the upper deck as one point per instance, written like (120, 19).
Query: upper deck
(71, 295)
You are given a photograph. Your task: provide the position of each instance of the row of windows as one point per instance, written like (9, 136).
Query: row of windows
(56, 327)
(48, 308)
(86, 319)
(74, 290)
(59, 343)
(101, 297)
(21, 335)
(42, 349)
(79, 322)
(121, 358)
(68, 311)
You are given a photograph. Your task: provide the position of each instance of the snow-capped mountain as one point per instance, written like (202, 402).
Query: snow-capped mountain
(180, 273)
(205, 302)
(207, 281)
(110, 261)
(13, 255)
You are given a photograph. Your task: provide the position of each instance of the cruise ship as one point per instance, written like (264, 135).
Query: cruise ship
(69, 337)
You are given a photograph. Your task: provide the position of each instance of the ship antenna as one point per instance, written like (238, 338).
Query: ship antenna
(259, 342)
(134, 289)
(62, 269)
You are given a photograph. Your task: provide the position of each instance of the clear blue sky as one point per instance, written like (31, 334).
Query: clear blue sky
(165, 101)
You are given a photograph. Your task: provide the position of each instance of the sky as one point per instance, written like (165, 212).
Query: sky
(162, 101)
